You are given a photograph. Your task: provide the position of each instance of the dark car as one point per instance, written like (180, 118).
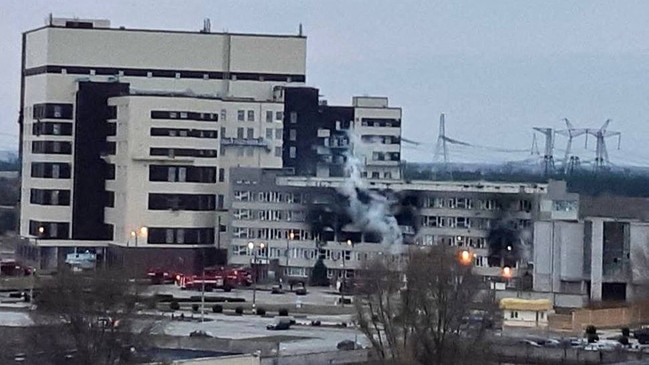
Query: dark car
(346, 345)
(199, 333)
(301, 290)
(281, 324)
(277, 289)
(642, 335)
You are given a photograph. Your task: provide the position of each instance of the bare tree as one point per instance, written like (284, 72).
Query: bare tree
(90, 319)
(438, 317)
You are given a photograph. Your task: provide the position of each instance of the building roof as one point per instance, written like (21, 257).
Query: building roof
(618, 207)
(525, 304)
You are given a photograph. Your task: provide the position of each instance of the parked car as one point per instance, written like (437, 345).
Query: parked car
(642, 335)
(346, 345)
(301, 290)
(277, 289)
(281, 324)
(200, 333)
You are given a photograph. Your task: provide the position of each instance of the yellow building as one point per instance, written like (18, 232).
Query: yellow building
(525, 312)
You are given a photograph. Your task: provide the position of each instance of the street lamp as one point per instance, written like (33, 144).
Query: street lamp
(465, 257)
(291, 236)
(251, 247)
(140, 232)
(349, 244)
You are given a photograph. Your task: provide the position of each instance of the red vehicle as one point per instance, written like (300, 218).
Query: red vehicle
(14, 268)
(239, 276)
(209, 281)
(160, 276)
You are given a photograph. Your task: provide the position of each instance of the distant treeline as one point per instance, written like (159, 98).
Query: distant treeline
(624, 183)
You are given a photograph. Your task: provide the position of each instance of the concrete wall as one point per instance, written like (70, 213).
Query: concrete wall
(320, 358)
(224, 360)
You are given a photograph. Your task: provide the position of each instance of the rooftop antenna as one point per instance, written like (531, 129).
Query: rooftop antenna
(441, 146)
(548, 158)
(601, 154)
(207, 25)
(300, 30)
(570, 132)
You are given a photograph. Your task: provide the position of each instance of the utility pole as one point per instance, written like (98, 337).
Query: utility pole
(548, 158)
(570, 132)
(601, 154)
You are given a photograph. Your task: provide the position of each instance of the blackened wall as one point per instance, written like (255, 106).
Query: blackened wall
(303, 103)
(90, 170)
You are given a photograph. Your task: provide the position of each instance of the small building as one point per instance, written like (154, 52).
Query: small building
(525, 312)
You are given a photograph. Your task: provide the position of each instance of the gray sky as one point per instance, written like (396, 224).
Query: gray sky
(496, 68)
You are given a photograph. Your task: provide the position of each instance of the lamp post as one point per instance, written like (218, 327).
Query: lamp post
(349, 244)
(291, 236)
(251, 246)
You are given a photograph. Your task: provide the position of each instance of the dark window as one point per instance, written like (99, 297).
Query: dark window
(221, 202)
(49, 230)
(112, 112)
(110, 199)
(49, 197)
(221, 175)
(110, 174)
(381, 122)
(194, 174)
(52, 111)
(111, 148)
(51, 170)
(180, 132)
(182, 152)
(112, 129)
(53, 129)
(199, 116)
(196, 202)
(52, 147)
(176, 235)
(75, 24)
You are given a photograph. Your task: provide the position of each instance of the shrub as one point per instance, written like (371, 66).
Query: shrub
(194, 307)
(283, 312)
(217, 308)
(238, 310)
(174, 306)
(626, 332)
(261, 311)
(591, 330)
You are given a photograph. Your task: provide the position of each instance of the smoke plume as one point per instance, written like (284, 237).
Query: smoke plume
(368, 210)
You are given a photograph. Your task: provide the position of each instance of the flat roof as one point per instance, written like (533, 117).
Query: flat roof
(418, 185)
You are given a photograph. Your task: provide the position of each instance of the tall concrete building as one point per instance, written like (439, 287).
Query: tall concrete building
(317, 135)
(594, 251)
(128, 135)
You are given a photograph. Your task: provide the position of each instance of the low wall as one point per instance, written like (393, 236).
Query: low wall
(320, 358)
(241, 346)
(629, 315)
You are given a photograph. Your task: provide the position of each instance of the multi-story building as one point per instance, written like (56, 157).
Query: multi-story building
(318, 136)
(128, 135)
(298, 218)
(595, 251)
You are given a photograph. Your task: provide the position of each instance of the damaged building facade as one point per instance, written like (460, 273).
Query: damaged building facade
(300, 218)
(596, 251)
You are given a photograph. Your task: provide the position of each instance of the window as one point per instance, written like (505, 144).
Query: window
(220, 201)
(292, 135)
(293, 117)
(292, 152)
(278, 133)
(250, 133)
(269, 116)
(241, 115)
(224, 115)
(240, 133)
(387, 175)
(195, 202)
(251, 115)
(278, 151)
(269, 133)
(513, 314)
(221, 175)
(376, 175)
(279, 116)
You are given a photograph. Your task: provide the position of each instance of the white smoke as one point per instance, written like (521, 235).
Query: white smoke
(375, 214)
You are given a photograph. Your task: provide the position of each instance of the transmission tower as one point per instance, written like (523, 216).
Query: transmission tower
(570, 132)
(535, 146)
(548, 159)
(441, 147)
(601, 154)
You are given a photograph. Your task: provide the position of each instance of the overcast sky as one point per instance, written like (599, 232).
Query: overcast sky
(496, 68)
